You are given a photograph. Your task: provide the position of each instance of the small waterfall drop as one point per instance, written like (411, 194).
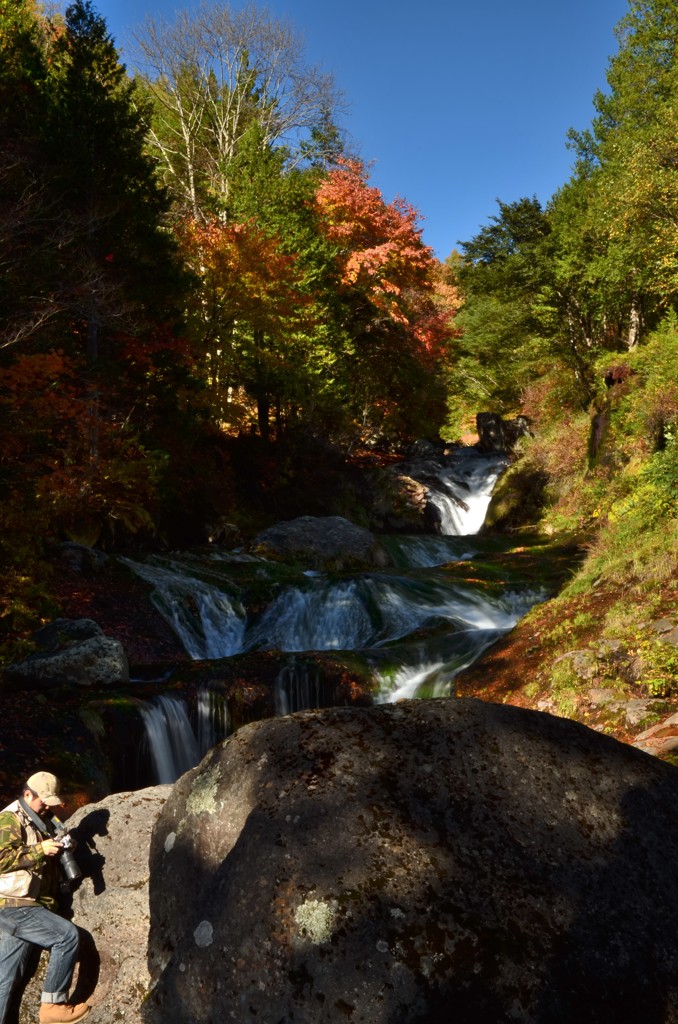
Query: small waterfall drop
(297, 688)
(210, 622)
(213, 722)
(427, 668)
(171, 739)
(322, 616)
(174, 743)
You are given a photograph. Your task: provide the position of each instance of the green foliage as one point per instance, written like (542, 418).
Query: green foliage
(567, 631)
(659, 661)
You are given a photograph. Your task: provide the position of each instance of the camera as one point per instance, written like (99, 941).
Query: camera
(68, 863)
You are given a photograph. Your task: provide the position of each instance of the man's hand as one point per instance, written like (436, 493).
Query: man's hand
(50, 847)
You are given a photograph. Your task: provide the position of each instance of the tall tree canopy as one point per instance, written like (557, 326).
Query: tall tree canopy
(213, 73)
(91, 272)
(396, 325)
(603, 269)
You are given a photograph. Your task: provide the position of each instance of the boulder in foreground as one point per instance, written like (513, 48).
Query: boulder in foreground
(420, 862)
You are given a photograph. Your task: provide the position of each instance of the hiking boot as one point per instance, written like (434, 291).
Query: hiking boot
(62, 1013)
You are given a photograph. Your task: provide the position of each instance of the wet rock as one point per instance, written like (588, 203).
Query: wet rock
(322, 542)
(490, 427)
(70, 652)
(402, 503)
(81, 558)
(518, 499)
(393, 863)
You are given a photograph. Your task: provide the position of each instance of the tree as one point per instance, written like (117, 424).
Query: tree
(90, 269)
(26, 207)
(212, 74)
(243, 318)
(501, 272)
(115, 261)
(396, 327)
(629, 158)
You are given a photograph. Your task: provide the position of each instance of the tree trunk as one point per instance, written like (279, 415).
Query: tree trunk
(635, 323)
(263, 413)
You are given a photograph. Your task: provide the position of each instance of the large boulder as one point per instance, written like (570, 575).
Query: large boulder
(70, 652)
(518, 499)
(322, 542)
(420, 862)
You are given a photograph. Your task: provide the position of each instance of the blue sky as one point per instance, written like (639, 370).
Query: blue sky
(453, 103)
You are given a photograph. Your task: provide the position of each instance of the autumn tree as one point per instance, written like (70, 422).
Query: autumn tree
(91, 270)
(244, 316)
(394, 330)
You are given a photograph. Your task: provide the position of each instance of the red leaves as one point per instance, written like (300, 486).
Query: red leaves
(381, 254)
(381, 250)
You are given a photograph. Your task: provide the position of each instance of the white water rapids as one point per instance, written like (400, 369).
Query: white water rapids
(414, 625)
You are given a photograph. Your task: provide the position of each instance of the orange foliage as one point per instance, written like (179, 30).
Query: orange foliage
(246, 277)
(67, 466)
(381, 253)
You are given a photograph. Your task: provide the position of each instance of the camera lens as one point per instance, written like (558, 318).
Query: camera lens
(70, 866)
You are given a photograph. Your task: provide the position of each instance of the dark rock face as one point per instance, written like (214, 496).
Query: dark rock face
(420, 862)
(518, 498)
(490, 427)
(323, 542)
(495, 434)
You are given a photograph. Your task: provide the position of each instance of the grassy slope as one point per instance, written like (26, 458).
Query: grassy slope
(602, 651)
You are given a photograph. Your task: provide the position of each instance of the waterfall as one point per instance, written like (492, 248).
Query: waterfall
(425, 551)
(209, 621)
(414, 625)
(170, 738)
(427, 668)
(174, 745)
(297, 688)
(213, 722)
(323, 613)
(460, 487)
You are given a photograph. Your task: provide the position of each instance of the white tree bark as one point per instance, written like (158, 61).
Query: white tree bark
(215, 71)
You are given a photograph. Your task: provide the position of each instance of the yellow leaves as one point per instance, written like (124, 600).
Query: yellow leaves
(244, 275)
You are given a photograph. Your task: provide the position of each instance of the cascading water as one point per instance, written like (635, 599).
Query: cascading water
(175, 743)
(170, 737)
(415, 625)
(193, 598)
(296, 688)
(459, 486)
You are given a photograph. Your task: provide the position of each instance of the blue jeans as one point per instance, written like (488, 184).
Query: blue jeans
(19, 928)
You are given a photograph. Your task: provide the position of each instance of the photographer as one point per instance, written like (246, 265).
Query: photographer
(30, 878)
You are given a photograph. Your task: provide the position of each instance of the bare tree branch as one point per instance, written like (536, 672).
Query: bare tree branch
(214, 72)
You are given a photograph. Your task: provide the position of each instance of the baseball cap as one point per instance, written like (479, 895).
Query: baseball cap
(47, 788)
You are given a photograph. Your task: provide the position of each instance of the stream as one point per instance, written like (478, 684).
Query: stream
(416, 625)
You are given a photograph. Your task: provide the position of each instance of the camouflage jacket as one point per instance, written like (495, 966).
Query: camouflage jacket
(27, 875)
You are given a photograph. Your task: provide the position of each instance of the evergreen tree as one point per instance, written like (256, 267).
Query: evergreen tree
(115, 259)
